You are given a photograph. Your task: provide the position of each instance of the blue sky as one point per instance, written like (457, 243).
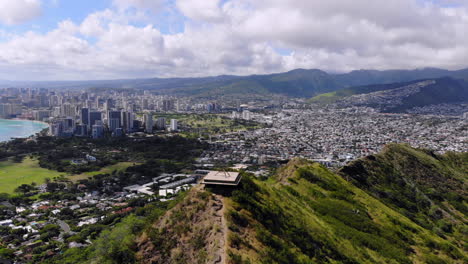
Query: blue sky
(168, 19)
(104, 39)
(54, 11)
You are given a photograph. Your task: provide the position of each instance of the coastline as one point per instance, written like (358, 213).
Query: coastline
(7, 137)
(33, 121)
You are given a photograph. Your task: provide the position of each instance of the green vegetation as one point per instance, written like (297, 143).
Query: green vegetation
(311, 215)
(295, 83)
(111, 153)
(121, 166)
(299, 82)
(327, 98)
(28, 171)
(209, 123)
(444, 90)
(189, 233)
(332, 97)
(429, 189)
(12, 174)
(117, 244)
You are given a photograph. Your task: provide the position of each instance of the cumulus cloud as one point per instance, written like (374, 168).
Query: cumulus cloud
(206, 10)
(19, 11)
(153, 5)
(244, 37)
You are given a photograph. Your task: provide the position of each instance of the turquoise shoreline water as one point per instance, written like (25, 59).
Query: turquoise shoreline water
(19, 128)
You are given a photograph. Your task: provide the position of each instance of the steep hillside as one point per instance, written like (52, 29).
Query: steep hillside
(314, 216)
(429, 189)
(444, 90)
(192, 232)
(346, 92)
(400, 97)
(367, 77)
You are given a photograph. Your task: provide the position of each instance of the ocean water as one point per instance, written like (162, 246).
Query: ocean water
(19, 128)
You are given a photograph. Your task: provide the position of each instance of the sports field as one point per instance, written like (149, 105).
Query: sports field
(13, 174)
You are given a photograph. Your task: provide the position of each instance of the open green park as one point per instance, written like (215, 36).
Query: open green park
(28, 171)
(14, 174)
(121, 166)
(210, 123)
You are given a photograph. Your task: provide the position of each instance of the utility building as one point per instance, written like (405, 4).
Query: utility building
(226, 178)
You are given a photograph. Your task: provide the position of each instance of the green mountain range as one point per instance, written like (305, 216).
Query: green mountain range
(403, 205)
(295, 83)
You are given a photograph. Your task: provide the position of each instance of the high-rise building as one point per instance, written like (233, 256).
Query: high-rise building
(108, 105)
(9, 110)
(246, 115)
(40, 115)
(168, 105)
(68, 124)
(62, 127)
(84, 116)
(67, 110)
(213, 107)
(81, 130)
(88, 104)
(114, 120)
(54, 100)
(161, 123)
(148, 123)
(114, 123)
(127, 121)
(174, 125)
(56, 129)
(93, 117)
(97, 103)
(97, 130)
(5, 110)
(44, 100)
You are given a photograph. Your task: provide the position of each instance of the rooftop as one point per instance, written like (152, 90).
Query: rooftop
(222, 178)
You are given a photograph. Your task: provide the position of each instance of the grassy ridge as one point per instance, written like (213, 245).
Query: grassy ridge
(429, 189)
(311, 215)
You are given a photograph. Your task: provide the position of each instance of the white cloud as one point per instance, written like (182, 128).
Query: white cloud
(243, 37)
(207, 10)
(153, 5)
(19, 11)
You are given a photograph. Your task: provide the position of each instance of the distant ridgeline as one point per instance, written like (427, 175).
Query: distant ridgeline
(399, 97)
(295, 83)
(403, 205)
